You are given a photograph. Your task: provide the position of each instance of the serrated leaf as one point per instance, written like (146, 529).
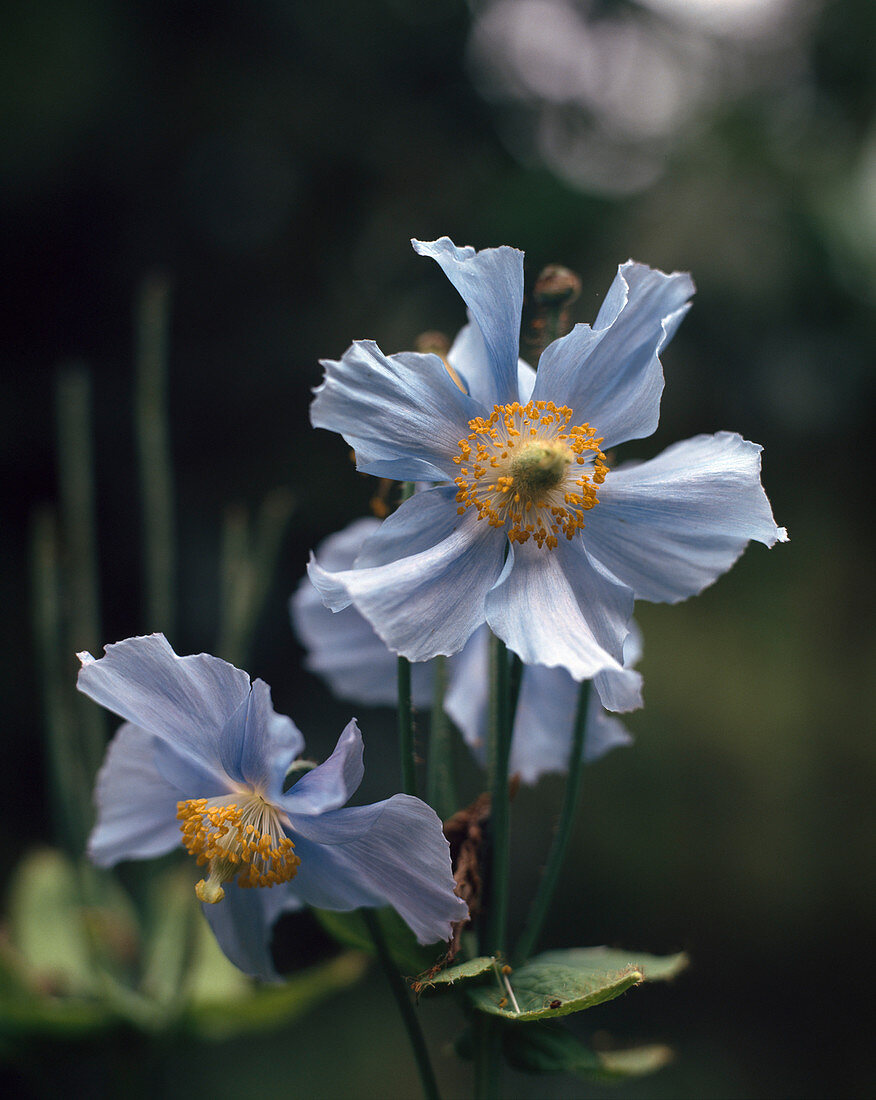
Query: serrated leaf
(460, 973)
(269, 1007)
(559, 983)
(351, 930)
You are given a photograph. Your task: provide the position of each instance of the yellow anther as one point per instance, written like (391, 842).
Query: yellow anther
(240, 836)
(536, 455)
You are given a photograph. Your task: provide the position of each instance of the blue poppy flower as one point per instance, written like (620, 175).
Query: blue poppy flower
(202, 760)
(343, 649)
(531, 532)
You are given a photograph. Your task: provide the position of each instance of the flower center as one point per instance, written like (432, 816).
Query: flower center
(240, 836)
(521, 469)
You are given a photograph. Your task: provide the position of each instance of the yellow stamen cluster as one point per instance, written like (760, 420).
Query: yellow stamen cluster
(239, 836)
(520, 468)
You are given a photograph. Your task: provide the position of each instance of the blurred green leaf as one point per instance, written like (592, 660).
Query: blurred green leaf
(47, 925)
(558, 983)
(351, 930)
(551, 1048)
(269, 1007)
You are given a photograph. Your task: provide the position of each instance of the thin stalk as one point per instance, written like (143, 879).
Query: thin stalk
(69, 786)
(406, 728)
(78, 543)
(544, 894)
(487, 1056)
(153, 443)
(440, 786)
(406, 1009)
(498, 752)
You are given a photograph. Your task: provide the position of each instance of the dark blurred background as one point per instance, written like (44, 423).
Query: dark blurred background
(272, 160)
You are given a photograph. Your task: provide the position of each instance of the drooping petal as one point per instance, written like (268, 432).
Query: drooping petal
(490, 283)
(334, 782)
(621, 690)
(341, 646)
(421, 580)
(611, 375)
(557, 608)
(243, 924)
(467, 700)
(185, 701)
(401, 859)
(469, 358)
(136, 804)
(671, 526)
(544, 722)
(604, 732)
(402, 414)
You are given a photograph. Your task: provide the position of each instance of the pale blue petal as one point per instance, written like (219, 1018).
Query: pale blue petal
(490, 283)
(402, 859)
(136, 805)
(671, 526)
(610, 375)
(468, 357)
(466, 700)
(621, 689)
(604, 732)
(342, 647)
(271, 742)
(334, 782)
(243, 925)
(556, 608)
(402, 414)
(544, 722)
(428, 597)
(185, 701)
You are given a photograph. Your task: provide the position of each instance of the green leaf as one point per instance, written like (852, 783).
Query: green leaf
(269, 1007)
(460, 973)
(558, 983)
(47, 926)
(550, 1048)
(351, 930)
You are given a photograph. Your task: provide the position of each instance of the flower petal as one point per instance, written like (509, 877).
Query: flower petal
(421, 580)
(469, 358)
(490, 283)
(556, 608)
(185, 701)
(611, 375)
(466, 700)
(401, 859)
(402, 414)
(671, 526)
(271, 742)
(334, 782)
(136, 804)
(604, 732)
(243, 925)
(342, 647)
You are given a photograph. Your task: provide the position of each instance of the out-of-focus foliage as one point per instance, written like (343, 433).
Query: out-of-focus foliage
(273, 159)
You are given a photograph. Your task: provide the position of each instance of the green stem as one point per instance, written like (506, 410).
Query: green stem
(79, 546)
(487, 1056)
(153, 442)
(403, 1000)
(440, 786)
(498, 753)
(406, 728)
(544, 895)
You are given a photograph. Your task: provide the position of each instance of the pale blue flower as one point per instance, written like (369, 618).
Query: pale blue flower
(343, 649)
(532, 533)
(202, 759)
